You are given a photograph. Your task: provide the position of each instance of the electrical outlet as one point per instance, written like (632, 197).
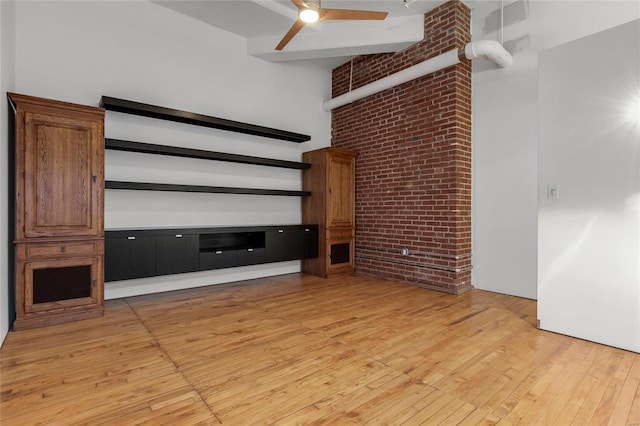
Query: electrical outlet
(553, 192)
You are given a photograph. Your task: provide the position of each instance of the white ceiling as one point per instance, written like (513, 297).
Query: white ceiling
(328, 43)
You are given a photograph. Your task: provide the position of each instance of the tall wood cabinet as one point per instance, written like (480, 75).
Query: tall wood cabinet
(59, 226)
(331, 180)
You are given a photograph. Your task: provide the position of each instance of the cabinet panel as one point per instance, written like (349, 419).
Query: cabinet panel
(341, 256)
(219, 259)
(176, 254)
(340, 233)
(214, 259)
(53, 291)
(65, 249)
(129, 257)
(309, 243)
(340, 202)
(340, 253)
(62, 176)
(61, 283)
(249, 257)
(282, 244)
(291, 243)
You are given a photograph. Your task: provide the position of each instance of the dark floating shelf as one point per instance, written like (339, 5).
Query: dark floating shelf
(142, 186)
(163, 113)
(147, 148)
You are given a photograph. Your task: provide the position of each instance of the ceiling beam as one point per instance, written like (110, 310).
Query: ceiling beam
(347, 38)
(278, 8)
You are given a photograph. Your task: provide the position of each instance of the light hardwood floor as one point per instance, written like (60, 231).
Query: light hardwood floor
(303, 350)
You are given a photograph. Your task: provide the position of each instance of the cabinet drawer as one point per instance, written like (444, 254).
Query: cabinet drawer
(219, 259)
(34, 251)
(250, 257)
(339, 233)
(215, 259)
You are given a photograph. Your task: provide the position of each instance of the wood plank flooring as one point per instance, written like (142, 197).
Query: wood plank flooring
(297, 349)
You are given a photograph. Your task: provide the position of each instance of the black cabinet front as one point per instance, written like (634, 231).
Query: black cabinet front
(308, 243)
(291, 243)
(129, 257)
(145, 253)
(218, 259)
(281, 244)
(250, 257)
(176, 254)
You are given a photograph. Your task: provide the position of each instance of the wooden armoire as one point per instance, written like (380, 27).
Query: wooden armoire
(331, 180)
(59, 226)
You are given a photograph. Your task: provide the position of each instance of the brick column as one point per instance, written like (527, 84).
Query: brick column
(413, 174)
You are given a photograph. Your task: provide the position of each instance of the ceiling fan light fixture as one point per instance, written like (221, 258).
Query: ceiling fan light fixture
(310, 11)
(309, 15)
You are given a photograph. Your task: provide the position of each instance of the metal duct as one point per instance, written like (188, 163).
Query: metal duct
(490, 49)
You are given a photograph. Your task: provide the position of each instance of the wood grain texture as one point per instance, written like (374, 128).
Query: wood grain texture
(355, 15)
(295, 29)
(331, 181)
(59, 206)
(59, 169)
(298, 349)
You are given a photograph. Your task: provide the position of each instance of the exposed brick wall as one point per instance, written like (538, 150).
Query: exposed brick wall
(413, 172)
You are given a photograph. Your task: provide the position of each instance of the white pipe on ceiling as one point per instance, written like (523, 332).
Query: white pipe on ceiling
(490, 49)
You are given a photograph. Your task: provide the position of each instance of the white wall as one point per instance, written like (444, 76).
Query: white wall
(78, 51)
(505, 131)
(589, 237)
(7, 60)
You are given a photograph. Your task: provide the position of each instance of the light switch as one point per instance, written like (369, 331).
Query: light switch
(553, 192)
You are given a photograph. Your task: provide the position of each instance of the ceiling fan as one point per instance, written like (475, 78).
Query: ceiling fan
(309, 11)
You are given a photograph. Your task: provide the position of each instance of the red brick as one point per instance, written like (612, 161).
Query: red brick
(413, 174)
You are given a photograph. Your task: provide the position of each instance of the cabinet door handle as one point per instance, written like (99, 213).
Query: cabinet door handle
(178, 235)
(280, 230)
(94, 283)
(219, 252)
(249, 250)
(131, 238)
(63, 249)
(94, 178)
(306, 230)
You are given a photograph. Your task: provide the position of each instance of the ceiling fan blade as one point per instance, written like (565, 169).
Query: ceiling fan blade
(356, 15)
(297, 26)
(299, 4)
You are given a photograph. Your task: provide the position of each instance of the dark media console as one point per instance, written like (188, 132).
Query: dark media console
(139, 253)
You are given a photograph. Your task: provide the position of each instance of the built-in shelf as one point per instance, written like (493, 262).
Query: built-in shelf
(147, 148)
(163, 113)
(143, 186)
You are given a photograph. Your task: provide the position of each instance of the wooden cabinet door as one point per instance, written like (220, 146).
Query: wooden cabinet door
(63, 175)
(341, 197)
(340, 255)
(61, 284)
